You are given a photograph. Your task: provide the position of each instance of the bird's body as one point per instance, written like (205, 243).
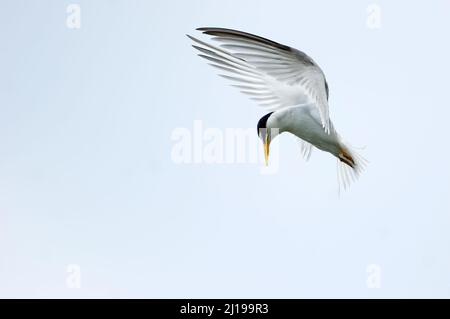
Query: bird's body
(304, 122)
(287, 82)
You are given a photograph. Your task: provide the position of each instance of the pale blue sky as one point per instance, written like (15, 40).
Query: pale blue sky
(86, 175)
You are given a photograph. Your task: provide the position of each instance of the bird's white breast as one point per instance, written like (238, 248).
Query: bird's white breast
(304, 122)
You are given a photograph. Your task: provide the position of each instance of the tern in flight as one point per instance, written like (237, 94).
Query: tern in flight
(289, 84)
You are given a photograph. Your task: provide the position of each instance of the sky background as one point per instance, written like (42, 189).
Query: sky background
(87, 178)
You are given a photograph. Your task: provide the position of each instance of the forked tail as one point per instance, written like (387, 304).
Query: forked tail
(350, 166)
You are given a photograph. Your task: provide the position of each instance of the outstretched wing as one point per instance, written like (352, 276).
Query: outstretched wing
(274, 75)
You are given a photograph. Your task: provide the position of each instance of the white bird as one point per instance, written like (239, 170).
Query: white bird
(287, 82)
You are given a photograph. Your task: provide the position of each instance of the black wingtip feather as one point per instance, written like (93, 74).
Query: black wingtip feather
(249, 36)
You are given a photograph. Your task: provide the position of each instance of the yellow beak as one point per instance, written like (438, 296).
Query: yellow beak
(266, 151)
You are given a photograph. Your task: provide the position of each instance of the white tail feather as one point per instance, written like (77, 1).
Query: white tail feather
(346, 173)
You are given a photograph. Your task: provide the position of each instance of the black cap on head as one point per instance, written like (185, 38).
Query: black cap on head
(262, 125)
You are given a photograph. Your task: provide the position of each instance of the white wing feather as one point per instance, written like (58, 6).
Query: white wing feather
(306, 149)
(272, 74)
